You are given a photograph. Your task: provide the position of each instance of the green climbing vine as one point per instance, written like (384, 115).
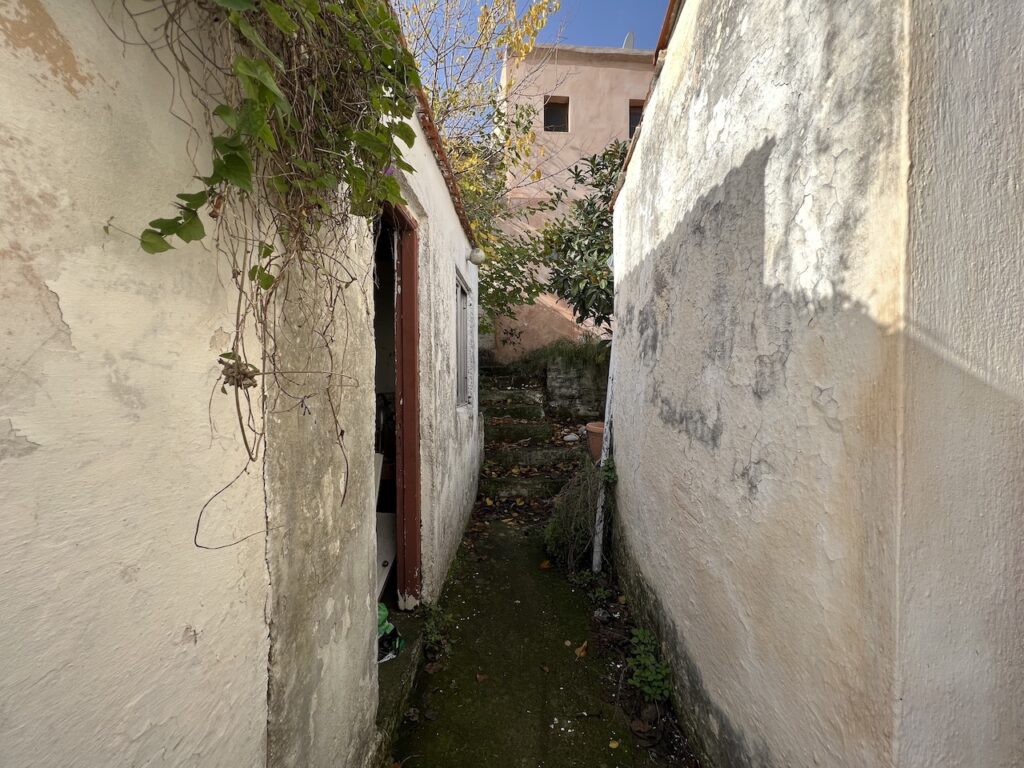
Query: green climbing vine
(323, 92)
(307, 107)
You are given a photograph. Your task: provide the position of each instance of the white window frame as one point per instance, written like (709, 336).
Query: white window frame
(462, 346)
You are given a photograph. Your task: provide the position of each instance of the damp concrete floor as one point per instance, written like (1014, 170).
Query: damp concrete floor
(522, 683)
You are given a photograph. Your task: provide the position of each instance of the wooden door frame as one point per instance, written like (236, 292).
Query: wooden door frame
(408, 560)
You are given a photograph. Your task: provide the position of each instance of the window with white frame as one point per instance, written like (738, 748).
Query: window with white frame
(461, 342)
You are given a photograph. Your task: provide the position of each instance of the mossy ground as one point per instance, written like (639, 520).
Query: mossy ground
(513, 690)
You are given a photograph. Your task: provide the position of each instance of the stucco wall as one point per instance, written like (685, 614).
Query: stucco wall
(961, 614)
(451, 435)
(819, 294)
(321, 515)
(123, 644)
(758, 242)
(599, 83)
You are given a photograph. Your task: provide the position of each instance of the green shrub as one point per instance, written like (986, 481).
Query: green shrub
(589, 352)
(650, 675)
(569, 535)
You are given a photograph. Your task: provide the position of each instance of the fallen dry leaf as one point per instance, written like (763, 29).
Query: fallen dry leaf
(434, 667)
(546, 565)
(545, 667)
(639, 726)
(480, 678)
(582, 650)
(622, 599)
(489, 502)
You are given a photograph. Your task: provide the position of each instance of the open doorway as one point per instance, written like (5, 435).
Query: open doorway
(396, 438)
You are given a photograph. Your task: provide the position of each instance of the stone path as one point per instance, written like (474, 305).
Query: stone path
(524, 681)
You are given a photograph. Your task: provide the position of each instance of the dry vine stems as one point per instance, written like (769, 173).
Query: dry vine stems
(304, 103)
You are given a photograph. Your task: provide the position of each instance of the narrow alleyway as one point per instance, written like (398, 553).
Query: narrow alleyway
(526, 669)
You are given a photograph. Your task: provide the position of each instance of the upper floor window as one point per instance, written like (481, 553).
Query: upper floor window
(556, 114)
(636, 111)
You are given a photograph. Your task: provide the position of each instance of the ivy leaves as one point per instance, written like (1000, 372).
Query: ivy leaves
(186, 226)
(351, 78)
(580, 241)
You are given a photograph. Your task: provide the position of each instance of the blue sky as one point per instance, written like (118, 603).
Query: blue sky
(606, 22)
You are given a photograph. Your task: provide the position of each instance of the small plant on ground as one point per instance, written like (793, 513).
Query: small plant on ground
(569, 534)
(608, 472)
(595, 585)
(436, 628)
(650, 674)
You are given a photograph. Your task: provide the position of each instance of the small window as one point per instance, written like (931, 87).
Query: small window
(636, 111)
(556, 114)
(461, 343)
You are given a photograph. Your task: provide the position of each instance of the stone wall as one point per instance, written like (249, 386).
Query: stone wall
(576, 390)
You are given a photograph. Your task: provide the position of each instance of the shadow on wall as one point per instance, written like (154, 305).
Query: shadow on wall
(756, 439)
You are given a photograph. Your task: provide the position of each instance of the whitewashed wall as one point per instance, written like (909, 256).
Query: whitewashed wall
(123, 644)
(451, 436)
(961, 576)
(818, 420)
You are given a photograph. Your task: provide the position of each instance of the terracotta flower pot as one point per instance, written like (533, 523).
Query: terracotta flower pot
(595, 439)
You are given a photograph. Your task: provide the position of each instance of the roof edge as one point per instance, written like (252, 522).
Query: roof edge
(595, 50)
(427, 122)
(672, 13)
(667, 26)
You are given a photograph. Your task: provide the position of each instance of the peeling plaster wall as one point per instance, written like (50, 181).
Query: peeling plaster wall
(820, 294)
(451, 435)
(961, 612)
(322, 543)
(322, 546)
(123, 644)
(758, 246)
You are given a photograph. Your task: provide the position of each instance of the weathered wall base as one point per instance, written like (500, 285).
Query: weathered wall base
(819, 399)
(709, 732)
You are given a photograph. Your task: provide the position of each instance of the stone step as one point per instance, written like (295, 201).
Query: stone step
(514, 431)
(513, 410)
(510, 381)
(517, 396)
(526, 487)
(513, 456)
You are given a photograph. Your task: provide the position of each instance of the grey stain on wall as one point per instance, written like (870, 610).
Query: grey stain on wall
(718, 245)
(13, 444)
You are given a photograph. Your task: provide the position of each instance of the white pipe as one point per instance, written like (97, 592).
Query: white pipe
(606, 440)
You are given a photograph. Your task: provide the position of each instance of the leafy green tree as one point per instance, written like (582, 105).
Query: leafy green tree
(461, 47)
(579, 242)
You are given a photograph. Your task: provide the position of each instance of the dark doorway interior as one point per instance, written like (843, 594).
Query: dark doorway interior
(385, 432)
(396, 440)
